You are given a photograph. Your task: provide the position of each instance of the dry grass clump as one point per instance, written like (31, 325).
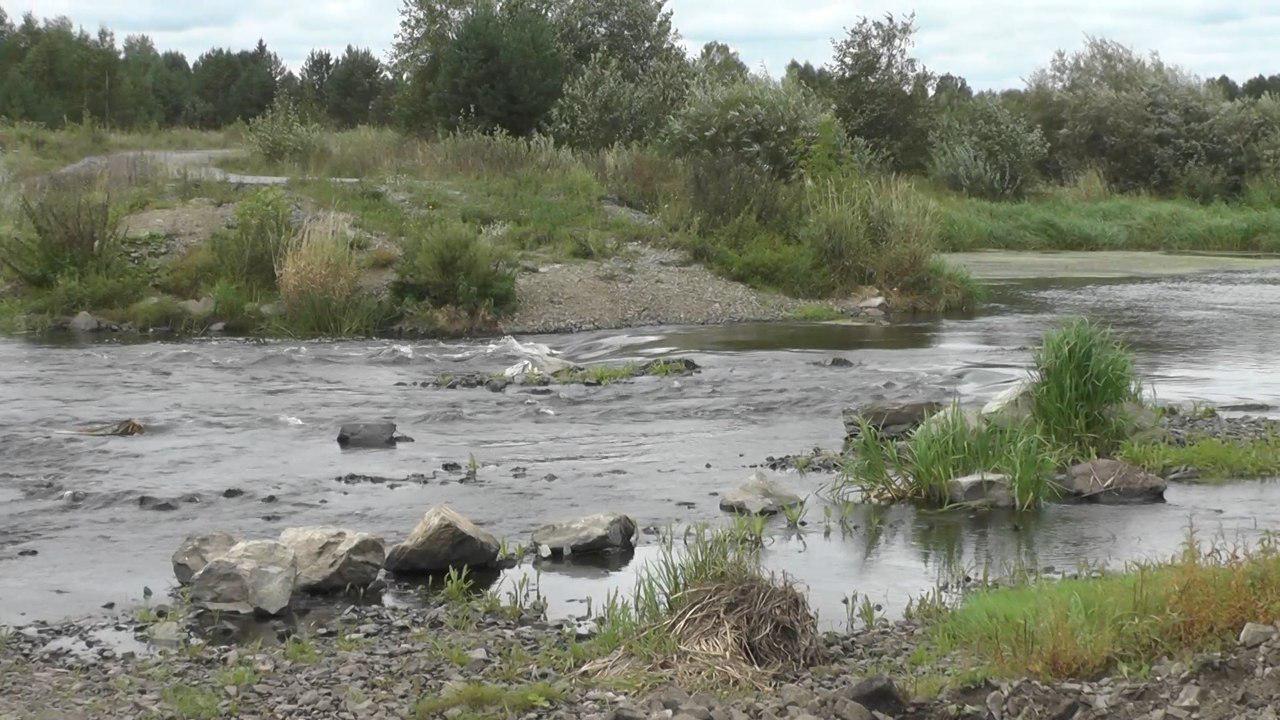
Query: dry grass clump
(319, 280)
(706, 617)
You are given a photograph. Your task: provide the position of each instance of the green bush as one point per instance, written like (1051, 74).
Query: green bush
(71, 234)
(757, 123)
(986, 151)
(720, 189)
(282, 135)
(451, 265)
(607, 104)
(1082, 380)
(639, 178)
(249, 252)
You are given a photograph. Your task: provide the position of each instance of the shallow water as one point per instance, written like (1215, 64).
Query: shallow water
(262, 417)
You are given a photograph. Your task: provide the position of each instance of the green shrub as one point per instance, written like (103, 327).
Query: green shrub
(71, 234)
(451, 265)
(94, 291)
(758, 123)
(319, 282)
(282, 135)
(608, 104)
(719, 190)
(986, 151)
(1082, 379)
(249, 252)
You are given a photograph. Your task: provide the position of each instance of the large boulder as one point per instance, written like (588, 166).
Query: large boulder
(369, 435)
(759, 496)
(986, 489)
(442, 540)
(85, 323)
(890, 421)
(1113, 482)
(335, 558)
(256, 576)
(591, 534)
(197, 550)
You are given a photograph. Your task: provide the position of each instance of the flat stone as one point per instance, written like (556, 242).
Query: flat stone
(987, 489)
(368, 435)
(1113, 482)
(889, 421)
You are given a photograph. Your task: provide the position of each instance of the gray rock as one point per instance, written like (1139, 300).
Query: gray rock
(874, 303)
(197, 308)
(1254, 634)
(890, 421)
(85, 323)
(759, 496)
(369, 435)
(253, 576)
(335, 558)
(591, 534)
(988, 489)
(1189, 698)
(443, 539)
(1113, 482)
(1013, 402)
(197, 550)
(876, 694)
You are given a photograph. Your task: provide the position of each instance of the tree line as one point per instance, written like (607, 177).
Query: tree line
(595, 73)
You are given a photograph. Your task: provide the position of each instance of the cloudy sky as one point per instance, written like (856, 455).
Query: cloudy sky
(993, 43)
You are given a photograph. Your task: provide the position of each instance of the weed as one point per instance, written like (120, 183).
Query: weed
(1084, 628)
(192, 702)
(72, 235)
(457, 587)
(301, 650)
(249, 253)
(814, 312)
(795, 513)
(1212, 458)
(1082, 379)
(490, 700)
(241, 675)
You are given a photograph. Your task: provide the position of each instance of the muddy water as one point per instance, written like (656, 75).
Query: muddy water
(261, 418)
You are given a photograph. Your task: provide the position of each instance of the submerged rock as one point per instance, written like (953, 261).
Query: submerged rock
(988, 489)
(1113, 482)
(591, 534)
(256, 576)
(443, 539)
(759, 496)
(890, 421)
(332, 558)
(369, 435)
(197, 551)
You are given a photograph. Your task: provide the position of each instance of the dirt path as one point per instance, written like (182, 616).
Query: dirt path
(194, 164)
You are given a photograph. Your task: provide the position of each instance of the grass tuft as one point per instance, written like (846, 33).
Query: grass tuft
(1212, 458)
(319, 279)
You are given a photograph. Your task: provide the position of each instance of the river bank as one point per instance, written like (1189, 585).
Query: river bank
(381, 663)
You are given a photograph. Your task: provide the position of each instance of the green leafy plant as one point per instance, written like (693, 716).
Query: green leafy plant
(450, 265)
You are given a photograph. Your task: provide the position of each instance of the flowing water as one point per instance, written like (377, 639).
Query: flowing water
(262, 416)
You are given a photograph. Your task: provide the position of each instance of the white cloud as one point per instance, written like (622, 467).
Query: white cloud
(993, 43)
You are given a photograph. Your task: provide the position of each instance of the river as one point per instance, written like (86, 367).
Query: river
(261, 417)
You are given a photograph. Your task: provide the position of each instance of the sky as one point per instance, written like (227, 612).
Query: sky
(994, 44)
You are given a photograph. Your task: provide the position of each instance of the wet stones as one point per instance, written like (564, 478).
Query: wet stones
(331, 559)
(1112, 482)
(257, 576)
(891, 422)
(606, 532)
(196, 551)
(983, 489)
(370, 435)
(444, 539)
(759, 496)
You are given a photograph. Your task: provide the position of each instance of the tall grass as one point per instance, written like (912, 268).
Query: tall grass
(451, 265)
(1085, 628)
(319, 279)
(1212, 458)
(1114, 222)
(948, 446)
(1082, 380)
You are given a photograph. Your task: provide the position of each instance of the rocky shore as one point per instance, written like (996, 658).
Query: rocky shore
(450, 661)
